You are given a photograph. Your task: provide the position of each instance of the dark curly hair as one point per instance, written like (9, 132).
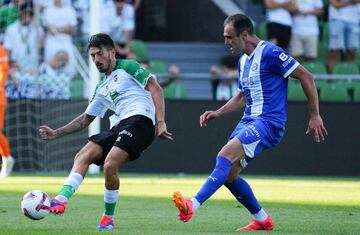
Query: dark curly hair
(100, 40)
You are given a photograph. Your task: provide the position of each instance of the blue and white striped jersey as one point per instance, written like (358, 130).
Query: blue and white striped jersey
(263, 81)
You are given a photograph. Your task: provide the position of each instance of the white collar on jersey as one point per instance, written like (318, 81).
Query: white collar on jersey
(257, 46)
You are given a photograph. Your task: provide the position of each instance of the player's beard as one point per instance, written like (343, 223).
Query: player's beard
(105, 67)
(102, 68)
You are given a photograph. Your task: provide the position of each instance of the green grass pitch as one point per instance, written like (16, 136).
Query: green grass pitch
(298, 205)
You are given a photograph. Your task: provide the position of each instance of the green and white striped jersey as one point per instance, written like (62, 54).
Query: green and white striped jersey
(123, 92)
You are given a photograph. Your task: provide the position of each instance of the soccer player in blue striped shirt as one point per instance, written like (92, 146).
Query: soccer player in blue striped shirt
(264, 70)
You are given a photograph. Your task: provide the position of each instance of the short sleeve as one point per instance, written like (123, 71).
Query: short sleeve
(280, 61)
(97, 107)
(139, 73)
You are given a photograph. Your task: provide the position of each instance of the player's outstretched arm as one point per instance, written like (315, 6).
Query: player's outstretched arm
(158, 99)
(234, 104)
(78, 123)
(316, 126)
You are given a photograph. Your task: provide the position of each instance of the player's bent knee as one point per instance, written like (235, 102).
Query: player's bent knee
(234, 173)
(89, 154)
(232, 151)
(110, 168)
(231, 177)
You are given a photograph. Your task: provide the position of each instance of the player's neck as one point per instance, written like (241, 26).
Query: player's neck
(111, 68)
(251, 45)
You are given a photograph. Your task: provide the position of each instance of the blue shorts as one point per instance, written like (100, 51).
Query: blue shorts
(256, 135)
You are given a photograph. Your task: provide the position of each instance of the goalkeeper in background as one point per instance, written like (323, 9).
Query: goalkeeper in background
(7, 160)
(138, 102)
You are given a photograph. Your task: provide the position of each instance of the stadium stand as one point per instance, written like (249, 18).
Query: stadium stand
(335, 92)
(195, 58)
(157, 66)
(345, 68)
(356, 97)
(315, 67)
(139, 49)
(295, 92)
(77, 88)
(175, 90)
(262, 31)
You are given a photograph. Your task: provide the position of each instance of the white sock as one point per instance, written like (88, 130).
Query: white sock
(61, 198)
(195, 204)
(111, 196)
(4, 160)
(260, 216)
(4, 165)
(74, 179)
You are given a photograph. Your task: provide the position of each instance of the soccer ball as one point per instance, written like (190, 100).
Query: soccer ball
(35, 204)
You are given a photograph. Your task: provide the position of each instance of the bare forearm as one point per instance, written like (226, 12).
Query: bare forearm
(76, 124)
(158, 99)
(67, 30)
(234, 104)
(310, 91)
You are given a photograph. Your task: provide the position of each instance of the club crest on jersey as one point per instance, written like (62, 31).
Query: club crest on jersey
(114, 94)
(254, 67)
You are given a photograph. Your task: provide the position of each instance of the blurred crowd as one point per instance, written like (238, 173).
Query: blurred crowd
(294, 26)
(305, 28)
(41, 52)
(43, 39)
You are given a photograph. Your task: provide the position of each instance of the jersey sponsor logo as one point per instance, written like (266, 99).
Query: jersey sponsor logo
(283, 57)
(254, 131)
(138, 72)
(125, 132)
(286, 63)
(114, 95)
(247, 82)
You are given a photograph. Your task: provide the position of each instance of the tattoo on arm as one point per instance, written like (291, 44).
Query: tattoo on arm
(76, 124)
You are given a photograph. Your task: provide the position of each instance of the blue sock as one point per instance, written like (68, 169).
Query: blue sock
(215, 180)
(243, 193)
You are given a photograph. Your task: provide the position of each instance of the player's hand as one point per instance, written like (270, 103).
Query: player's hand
(47, 133)
(205, 117)
(317, 129)
(162, 131)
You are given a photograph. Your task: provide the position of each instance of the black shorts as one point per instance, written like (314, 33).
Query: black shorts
(133, 135)
(280, 32)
